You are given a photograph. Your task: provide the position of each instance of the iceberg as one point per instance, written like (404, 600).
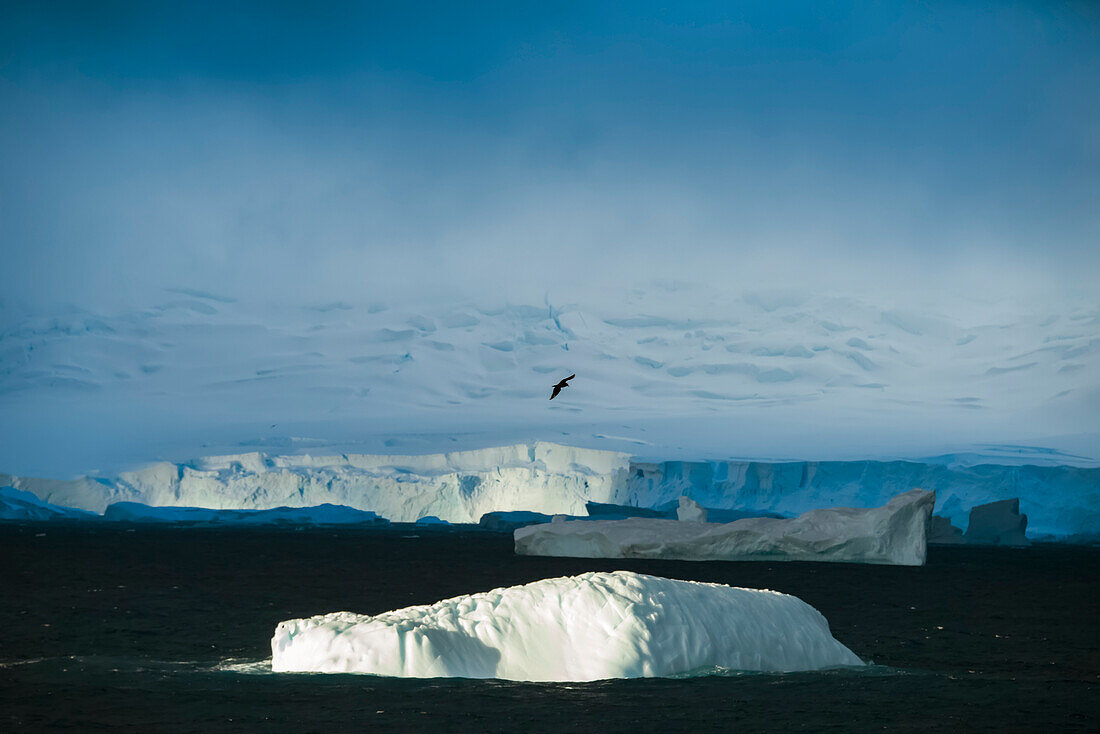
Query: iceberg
(669, 510)
(690, 511)
(581, 628)
(994, 523)
(506, 522)
(317, 515)
(551, 479)
(893, 534)
(1059, 500)
(457, 487)
(16, 504)
(942, 532)
(997, 523)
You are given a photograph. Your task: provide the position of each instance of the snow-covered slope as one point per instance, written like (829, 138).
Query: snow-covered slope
(587, 627)
(663, 372)
(893, 534)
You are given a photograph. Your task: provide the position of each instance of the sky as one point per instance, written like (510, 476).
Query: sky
(281, 150)
(916, 155)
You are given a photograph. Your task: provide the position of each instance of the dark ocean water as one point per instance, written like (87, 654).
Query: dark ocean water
(139, 629)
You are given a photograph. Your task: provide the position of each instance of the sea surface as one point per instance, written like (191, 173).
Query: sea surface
(168, 629)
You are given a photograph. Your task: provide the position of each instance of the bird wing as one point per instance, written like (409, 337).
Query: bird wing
(567, 379)
(555, 393)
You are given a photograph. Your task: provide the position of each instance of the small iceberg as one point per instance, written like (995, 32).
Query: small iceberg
(580, 628)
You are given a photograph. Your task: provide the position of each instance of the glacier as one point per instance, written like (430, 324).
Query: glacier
(552, 479)
(1058, 500)
(457, 487)
(893, 534)
(588, 627)
(681, 374)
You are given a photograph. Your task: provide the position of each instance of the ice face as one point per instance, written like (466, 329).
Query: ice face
(892, 534)
(456, 487)
(553, 479)
(587, 627)
(1058, 500)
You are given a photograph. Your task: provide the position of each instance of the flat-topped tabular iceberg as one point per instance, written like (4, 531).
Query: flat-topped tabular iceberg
(587, 627)
(457, 487)
(892, 534)
(317, 515)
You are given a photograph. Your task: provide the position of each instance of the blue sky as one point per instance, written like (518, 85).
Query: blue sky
(262, 149)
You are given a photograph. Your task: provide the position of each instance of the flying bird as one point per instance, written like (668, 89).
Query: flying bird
(560, 385)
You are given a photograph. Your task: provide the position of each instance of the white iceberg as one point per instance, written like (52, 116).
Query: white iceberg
(588, 627)
(458, 487)
(892, 534)
(690, 511)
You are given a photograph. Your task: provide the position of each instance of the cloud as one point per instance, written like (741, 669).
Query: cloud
(349, 156)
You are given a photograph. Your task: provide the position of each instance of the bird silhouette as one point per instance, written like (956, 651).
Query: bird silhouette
(560, 385)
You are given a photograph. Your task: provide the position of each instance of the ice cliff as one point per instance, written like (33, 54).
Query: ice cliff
(588, 627)
(552, 479)
(1058, 500)
(456, 487)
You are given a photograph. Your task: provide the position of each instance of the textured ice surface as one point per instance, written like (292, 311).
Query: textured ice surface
(587, 627)
(892, 534)
(660, 373)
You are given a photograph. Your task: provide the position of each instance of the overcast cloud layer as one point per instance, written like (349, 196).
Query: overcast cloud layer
(925, 156)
